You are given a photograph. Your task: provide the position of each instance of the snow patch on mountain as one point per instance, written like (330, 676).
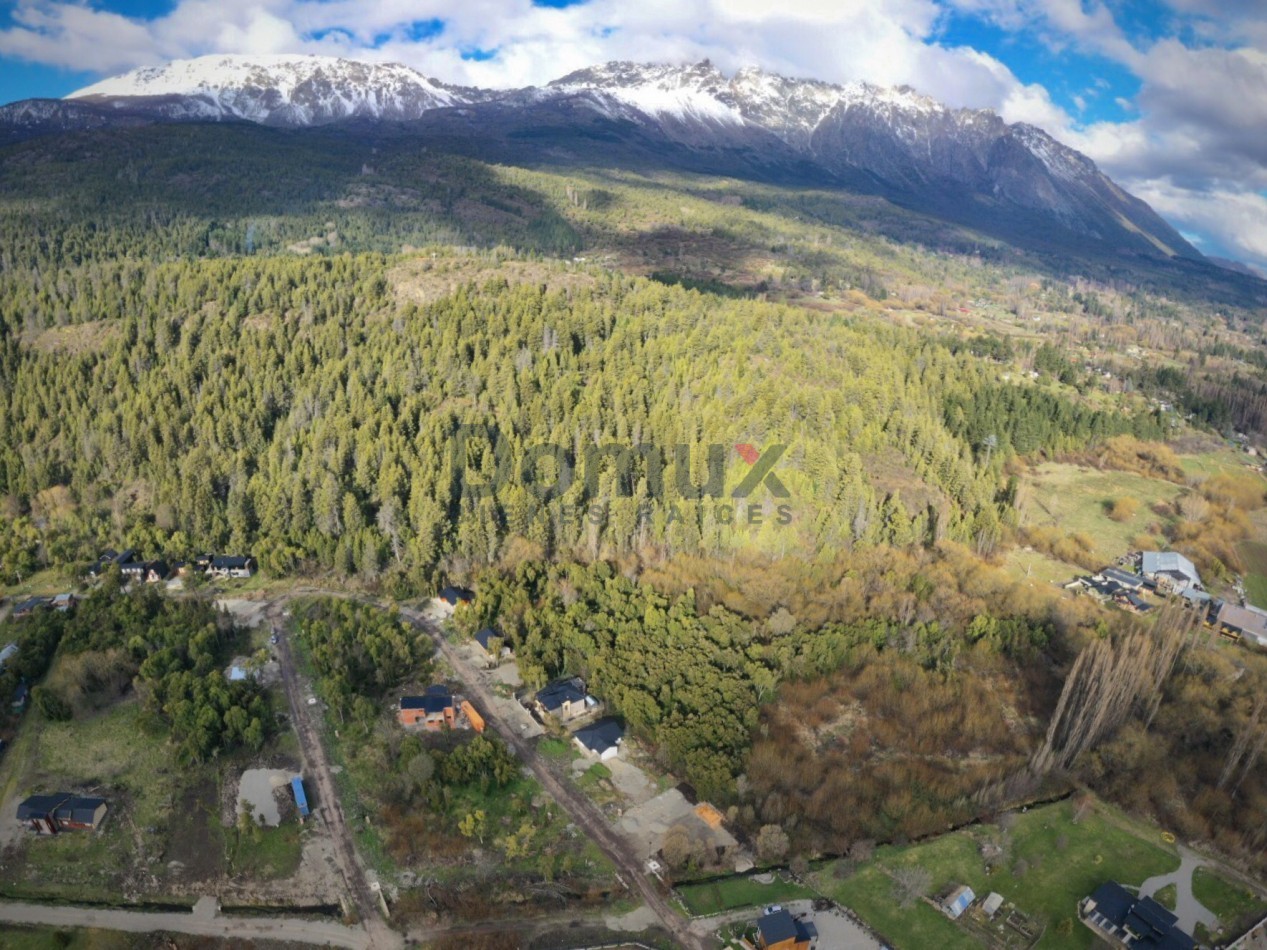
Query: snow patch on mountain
(281, 89)
(685, 94)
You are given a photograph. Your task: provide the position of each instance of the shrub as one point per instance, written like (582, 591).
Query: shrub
(1122, 509)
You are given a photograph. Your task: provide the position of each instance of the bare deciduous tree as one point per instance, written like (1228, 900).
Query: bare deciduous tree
(910, 884)
(1110, 680)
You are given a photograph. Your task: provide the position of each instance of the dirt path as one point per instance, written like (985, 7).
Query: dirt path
(584, 813)
(319, 778)
(204, 922)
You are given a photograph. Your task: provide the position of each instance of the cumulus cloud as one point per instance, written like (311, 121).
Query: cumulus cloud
(1234, 219)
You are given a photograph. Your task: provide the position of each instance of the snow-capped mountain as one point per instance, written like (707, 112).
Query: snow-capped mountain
(278, 90)
(964, 165)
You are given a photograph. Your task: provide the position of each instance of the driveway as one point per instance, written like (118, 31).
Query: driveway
(1188, 909)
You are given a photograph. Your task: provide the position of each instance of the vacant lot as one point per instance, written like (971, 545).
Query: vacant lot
(1254, 554)
(1044, 861)
(1219, 461)
(1038, 569)
(715, 896)
(1073, 500)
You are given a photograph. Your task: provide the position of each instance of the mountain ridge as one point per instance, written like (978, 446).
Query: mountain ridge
(966, 165)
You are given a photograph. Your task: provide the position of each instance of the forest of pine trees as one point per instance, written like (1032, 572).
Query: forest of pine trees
(301, 409)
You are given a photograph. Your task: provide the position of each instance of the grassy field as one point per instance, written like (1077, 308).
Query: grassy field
(1072, 498)
(118, 755)
(557, 750)
(1220, 461)
(713, 897)
(54, 580)
(265, 854)
(1254, 554)
(1236, 907)
(163, 820)
(1048, 862)
(53, 938)
(41, 938)
(1038, 569)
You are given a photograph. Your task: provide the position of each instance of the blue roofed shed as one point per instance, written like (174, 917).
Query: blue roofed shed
(959, 900)
(301, 798)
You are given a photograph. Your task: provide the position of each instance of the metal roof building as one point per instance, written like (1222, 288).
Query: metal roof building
(1171, 564)
(960, 899)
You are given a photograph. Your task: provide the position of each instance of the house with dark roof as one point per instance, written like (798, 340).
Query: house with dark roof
(1124, 579)
(1129, 600)
(239, 566)
(29, 606)
(109, 558)
(80, 814)
(37, 812)
(487, 639)
(781, 931)
(156, 571)
(135, 570)
(601, 739)
(61, 811)
(433, 710)
(1102, 587)
(1124, 920)
(21, 696)
(1169, 570)
(456, 596)
(565, 699)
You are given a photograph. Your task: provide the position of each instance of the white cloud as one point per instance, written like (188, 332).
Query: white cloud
(1235, 218)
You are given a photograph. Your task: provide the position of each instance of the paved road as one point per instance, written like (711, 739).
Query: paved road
(1188, 909)
(322, 933)
(318, 777)
(584, 813)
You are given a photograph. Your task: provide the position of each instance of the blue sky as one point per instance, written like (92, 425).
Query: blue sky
(1168, 96)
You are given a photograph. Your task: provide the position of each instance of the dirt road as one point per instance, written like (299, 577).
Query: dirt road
(206, 921)
(319, 778)
(584, 813)
(203, 924)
